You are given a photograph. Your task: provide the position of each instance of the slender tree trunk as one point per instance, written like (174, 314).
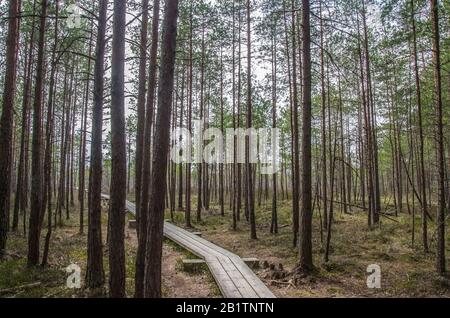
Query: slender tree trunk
(250, 190)
(153, 255)
(295, 136)
(423, 181)
(47, 196)
(191, 80)
(141, 109)
(200, 175)
(36, 170)
(235, 155)
(324, 138)
(146, 173)
(82, 165)
(440, 216)
(119, 156)
(21, 197)
(6, 121)
(222, 127)
(95, 276)
(180, 178)
(305, 243)
(274, 222)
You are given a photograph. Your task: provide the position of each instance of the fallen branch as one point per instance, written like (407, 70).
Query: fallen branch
(277, 282)
(348, 204)
(13, 289)
(388, 217)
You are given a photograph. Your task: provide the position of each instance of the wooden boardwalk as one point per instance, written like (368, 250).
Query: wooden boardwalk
(234, 278)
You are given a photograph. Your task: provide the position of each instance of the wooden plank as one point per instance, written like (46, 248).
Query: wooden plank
(253, 280)
(241, 283)
(226, 285)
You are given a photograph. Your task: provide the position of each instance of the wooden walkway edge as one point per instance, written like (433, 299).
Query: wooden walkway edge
(234, 278)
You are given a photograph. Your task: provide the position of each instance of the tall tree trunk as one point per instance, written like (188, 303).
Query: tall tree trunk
(36, 170)
(440, 217)
(373, 147)
(222, 128)
(200, 164)
(323, 115)
(191, 80)
(423, 181)
(95, 276)
(153, 255)
(141, 110)
(295, 135)
(305, 243)
(274, 222)
(146, 172)
(23, 162)
(235, 165)
(250, 190)
(180, 179)
(82, 164)
(119, 156)
(62, 160)
(47, 196)
(6, 120)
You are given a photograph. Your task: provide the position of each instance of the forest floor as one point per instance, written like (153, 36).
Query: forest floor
(69, 247)
(405, 270)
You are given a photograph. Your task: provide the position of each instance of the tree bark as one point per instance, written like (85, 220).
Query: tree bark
(155, 226)
(119, 156)
(141, 110)
(423, 181)
(95, 276)
(36, 169)
(250, 188)
(305, 243)
(146, 174)
(6, 121)
(440, 216)
(47, 196)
